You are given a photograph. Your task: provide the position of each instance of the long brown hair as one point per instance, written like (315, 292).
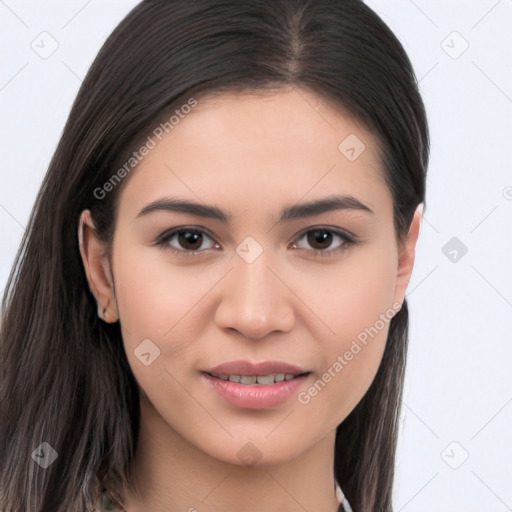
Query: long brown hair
(65, 378)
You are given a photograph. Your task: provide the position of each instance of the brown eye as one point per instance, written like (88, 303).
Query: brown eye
(190, 240)
(322, 241)
(319, 238)
(187, 240)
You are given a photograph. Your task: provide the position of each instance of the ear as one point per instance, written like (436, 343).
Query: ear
(97, 268)
(406, 256)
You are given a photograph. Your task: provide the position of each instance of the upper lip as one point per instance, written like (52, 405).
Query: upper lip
(257, 369)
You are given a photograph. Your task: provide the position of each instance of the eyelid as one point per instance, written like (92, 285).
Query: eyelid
(173, 231)
(348, 238)
(337, 231)
(170, 233)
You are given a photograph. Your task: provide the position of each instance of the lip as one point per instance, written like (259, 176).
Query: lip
(256, 396)
(258, 369)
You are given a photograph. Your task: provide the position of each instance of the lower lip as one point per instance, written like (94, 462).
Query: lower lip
(255, 396)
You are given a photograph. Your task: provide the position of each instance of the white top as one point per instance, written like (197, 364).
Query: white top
(342, 500)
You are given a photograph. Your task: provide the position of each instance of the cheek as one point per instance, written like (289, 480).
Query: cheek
(367, 292)
(351, 296)
(157, 299)
(357, 308)
(367, 308)
(161, 303)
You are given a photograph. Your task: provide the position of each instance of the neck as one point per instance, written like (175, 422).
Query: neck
(172, 475)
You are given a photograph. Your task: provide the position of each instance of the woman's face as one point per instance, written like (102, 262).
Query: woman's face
(276, 288)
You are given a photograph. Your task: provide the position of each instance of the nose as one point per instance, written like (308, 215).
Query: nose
(256, 299)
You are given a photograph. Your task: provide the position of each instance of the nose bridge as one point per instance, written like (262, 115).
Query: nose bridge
(254, 301)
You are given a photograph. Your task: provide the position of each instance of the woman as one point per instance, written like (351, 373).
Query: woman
(207, 311)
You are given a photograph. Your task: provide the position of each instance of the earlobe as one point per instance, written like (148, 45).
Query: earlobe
(97, 268)
(407, 256)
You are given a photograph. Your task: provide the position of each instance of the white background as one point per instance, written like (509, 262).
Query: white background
(458, 397)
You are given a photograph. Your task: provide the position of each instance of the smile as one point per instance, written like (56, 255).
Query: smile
(255, 391)
(271, 378)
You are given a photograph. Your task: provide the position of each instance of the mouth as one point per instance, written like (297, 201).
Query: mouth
(249, 385)
(259, 380)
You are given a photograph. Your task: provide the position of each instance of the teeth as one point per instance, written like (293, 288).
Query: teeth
(257, 379)
(266, 379)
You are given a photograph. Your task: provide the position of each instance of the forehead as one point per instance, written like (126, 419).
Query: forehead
(278, 146)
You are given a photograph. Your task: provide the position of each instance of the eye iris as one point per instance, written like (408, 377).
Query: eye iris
(319, 236)
(190, 237)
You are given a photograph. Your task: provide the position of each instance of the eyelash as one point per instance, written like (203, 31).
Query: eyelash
(164, 239)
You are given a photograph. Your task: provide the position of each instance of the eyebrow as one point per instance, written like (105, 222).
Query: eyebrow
(289, 213)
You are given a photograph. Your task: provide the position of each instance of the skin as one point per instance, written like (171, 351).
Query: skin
(288, 305)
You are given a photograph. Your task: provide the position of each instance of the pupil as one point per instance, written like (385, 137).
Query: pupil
(188, 237)
(319, 236)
